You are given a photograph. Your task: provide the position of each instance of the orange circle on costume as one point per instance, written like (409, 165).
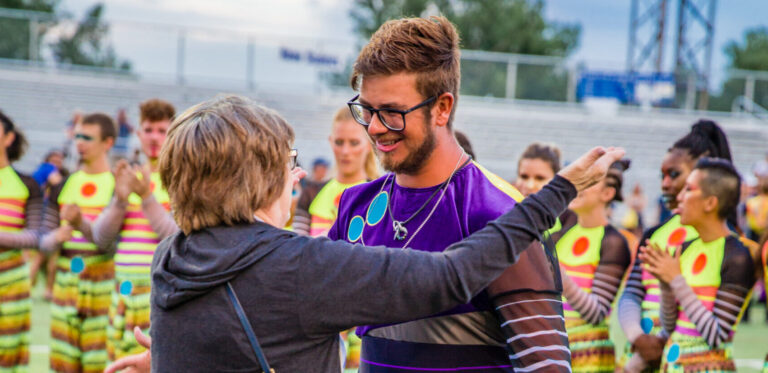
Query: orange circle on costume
(152, 186)
(88, 189)
(677, 237)
(699, 264)
(337, 200)
(580, 246)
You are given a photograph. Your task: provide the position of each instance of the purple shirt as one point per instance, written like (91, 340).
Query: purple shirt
(474, 197)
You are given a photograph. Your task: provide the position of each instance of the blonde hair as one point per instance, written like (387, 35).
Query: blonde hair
(371, 164)
(224, 159)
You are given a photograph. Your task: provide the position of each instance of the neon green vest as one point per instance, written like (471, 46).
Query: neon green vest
(325, 207)
(92, 193)
(13, 201)
(579, 253)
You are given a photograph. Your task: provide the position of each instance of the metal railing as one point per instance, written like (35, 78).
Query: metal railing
(187, 54)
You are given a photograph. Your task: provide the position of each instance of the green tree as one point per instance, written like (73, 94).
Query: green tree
(88, 44)
(14, 42)
(748, 54)
(510, 26)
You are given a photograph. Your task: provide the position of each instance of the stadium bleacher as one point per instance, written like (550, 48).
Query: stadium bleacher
(41, 101)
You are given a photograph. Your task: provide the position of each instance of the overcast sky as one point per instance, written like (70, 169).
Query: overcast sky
(324, 26)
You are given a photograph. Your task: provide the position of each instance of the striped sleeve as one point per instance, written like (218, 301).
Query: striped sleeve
(29, 237)
(160, 220)
(737, 279)
(531, 314)
(302, 218)
(50, 219)
(104, 230)
(668, 306)
(631, 301)
(614, 260)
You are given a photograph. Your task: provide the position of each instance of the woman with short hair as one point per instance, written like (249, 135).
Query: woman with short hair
(228, 170)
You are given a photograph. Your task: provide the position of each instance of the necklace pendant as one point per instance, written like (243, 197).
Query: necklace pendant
(400, 231)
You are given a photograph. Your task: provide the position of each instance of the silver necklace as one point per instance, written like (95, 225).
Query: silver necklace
(400, 231)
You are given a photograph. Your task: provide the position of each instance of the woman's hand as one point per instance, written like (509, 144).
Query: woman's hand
(139, 363)
(659, 263)
(591, 167)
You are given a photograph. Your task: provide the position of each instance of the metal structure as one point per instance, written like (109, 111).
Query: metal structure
(647, 22)
(695, 40)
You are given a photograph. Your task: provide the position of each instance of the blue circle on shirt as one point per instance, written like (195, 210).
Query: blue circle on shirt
(674, 353)
(77, 265)
(126, 287)
(377, 209)
(355, 230)
(647, 324)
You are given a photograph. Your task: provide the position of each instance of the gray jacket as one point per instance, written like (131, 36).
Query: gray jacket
(297, 290)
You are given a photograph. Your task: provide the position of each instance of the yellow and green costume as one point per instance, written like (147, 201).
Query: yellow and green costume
(136, 245)
(14, 275)
(84, 282)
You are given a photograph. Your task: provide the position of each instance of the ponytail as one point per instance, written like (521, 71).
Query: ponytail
(706, 139)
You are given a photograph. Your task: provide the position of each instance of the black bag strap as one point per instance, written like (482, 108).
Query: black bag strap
(248, 329)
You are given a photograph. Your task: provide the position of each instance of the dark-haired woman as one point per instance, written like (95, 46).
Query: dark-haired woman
(593, 258)
(537, 166)
(639, 304)
(706, 282)
(20, 213)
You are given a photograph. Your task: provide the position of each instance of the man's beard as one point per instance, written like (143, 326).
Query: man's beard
(415, 161)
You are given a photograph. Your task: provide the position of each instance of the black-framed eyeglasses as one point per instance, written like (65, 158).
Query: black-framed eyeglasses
(393, 119)
(293, 158)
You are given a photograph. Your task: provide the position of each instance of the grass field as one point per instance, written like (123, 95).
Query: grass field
(751, 343)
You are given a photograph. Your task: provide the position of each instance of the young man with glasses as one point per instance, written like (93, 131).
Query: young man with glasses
(84, 270)
(408, 79)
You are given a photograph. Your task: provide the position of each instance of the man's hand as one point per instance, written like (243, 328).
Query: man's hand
(659, 263)
(650, 348)
(71, 214)
(124, 176)
(139, 363)
(591, 167)
(141, 186)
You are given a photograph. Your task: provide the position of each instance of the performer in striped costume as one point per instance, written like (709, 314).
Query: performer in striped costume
(639, 304)
(706, 283)
(20, 213)
(408, 77)
(594, 257)
(138, 219)
(84, 270)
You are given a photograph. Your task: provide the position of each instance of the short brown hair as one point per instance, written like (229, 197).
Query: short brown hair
(155, 110)
(224, 159)
(427, 47)
(104, 121)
